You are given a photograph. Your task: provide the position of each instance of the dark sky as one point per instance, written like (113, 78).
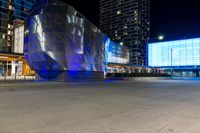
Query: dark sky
(175, 19)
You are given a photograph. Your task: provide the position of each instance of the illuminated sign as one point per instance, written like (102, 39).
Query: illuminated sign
(174, 53)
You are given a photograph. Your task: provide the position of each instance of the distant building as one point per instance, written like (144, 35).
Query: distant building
(179, 58)
(127, 22)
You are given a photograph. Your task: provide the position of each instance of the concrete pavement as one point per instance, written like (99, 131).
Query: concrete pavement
(100, 107)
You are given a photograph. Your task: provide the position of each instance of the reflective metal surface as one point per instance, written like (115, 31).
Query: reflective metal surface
(58, 38)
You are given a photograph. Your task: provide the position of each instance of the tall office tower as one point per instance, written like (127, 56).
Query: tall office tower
(127, 22)
(12, 16)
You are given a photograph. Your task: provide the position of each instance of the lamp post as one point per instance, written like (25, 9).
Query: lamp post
(142, 61)
(138, 54)
(171, 56)
(171, 61)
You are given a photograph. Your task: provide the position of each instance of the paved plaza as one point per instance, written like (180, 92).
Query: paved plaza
(169, 106)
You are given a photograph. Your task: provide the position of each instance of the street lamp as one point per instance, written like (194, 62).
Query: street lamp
(160, 37)
(121, 43)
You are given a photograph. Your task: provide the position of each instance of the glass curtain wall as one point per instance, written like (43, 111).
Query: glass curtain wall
(174, 53)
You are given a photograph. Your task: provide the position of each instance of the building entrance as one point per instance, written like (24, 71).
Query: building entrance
(14, 66)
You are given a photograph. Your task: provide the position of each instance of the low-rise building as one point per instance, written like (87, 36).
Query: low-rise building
(179, 58)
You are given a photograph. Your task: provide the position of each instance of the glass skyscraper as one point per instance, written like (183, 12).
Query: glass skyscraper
(12, 15)
(127, 22)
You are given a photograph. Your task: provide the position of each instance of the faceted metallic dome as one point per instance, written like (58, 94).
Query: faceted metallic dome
(60, 43)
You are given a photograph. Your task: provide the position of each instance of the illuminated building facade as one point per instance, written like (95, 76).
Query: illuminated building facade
(181, 56)
(61, 44)
(127, 22)
(12, 16)
(13, 13)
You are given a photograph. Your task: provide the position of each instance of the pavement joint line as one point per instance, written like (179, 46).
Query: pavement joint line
(44, 83)
(175, 118)
(6, 84)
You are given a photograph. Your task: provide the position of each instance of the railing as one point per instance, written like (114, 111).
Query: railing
(17, 78)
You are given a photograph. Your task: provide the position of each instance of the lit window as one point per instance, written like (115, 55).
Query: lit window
(9, 26)
(3, 36)
(11, 7)
(118, 37)
(125, 27)
(119, 12)
(136, 18)
(135, 12)
(125, 33)
(9, 32)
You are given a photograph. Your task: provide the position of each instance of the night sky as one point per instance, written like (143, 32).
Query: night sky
(175, 19)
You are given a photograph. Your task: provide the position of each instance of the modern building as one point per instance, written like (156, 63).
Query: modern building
(61, 44)
(127, 22)
(13, 13)
(179, 58)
